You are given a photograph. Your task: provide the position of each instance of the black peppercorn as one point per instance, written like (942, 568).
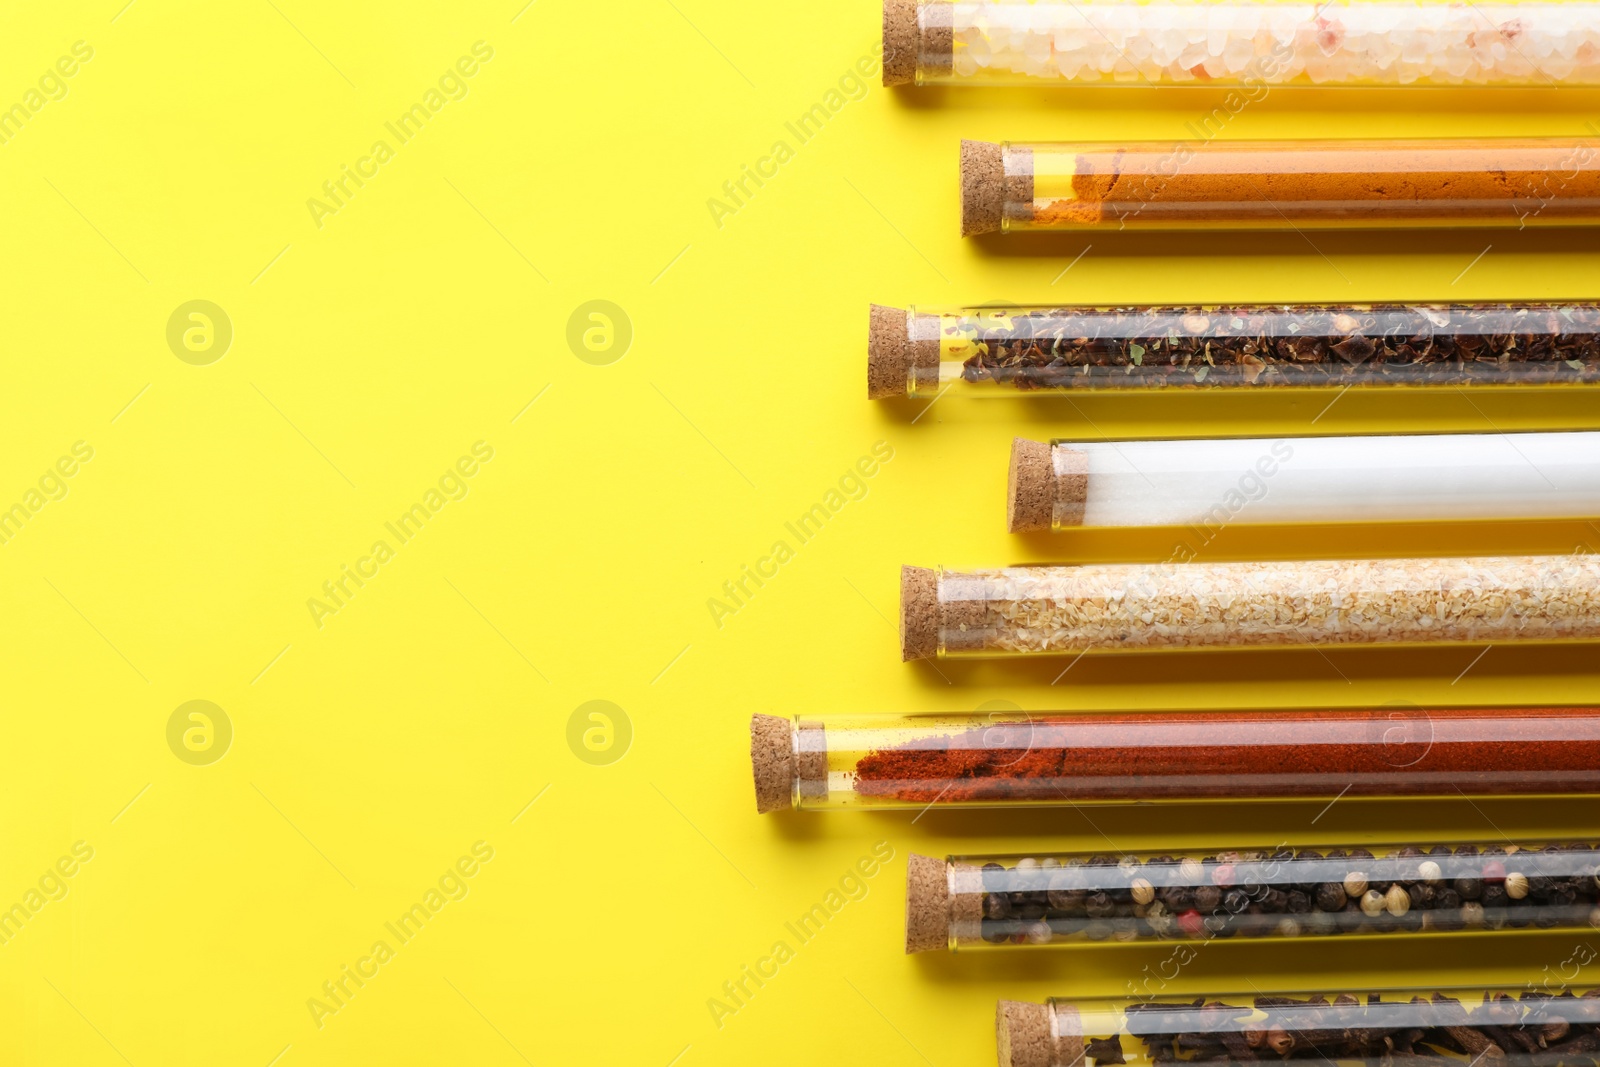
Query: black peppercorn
(1100, 906)
(1031, 912)
(1207, 898)
(1066, 900)
(1469, 888)
(1178, 898)
(1331, 896)
(996, 906)
(1299, 902)
(1235, 901)
(995, 877)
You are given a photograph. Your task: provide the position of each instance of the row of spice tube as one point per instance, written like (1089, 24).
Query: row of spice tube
(1279, 893)
(1249, 49)
(1022, 759)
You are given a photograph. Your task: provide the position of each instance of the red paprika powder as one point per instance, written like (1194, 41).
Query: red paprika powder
(1390, 751)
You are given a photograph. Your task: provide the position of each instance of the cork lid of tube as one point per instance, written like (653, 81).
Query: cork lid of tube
(772, 760)
(983, 187)
(1045, 481)
(1030, 496)
(919, 614)
(1022, 1034)
(927, 905)
(899, 42)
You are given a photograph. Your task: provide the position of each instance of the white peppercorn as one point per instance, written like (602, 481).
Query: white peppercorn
(1516, 885)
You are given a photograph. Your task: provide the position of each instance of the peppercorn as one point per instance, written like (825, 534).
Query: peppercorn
(1397, 901)
(1179, 898)
(1421, 895)
(1516, 885)
(1372, 903)
(996, 931)
(1031, 912)
(1494, 897)
(1287, 928)
(1207, 898)
(1469, 888)
(1190, 924)
(1331, 896)
(1223, 874)
(1191, 870)
(1299, 902)
(1037, 933)
(995, 877)
(996, 906)
(1067, 900)
(1429, 872)
(1100, 905)
(1235, 901)
(1142, 891)
(1355, 884)
(1272, 900)
(1097, 930)
(1472, 914)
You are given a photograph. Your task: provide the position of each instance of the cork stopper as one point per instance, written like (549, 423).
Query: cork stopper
(1030, 492)
(811, 760)
(888, 353)
(983, 187)
(927, 905)
(899, 42)
(919, 614)
(772, 759)
(1069, 471)
(1022, 1034)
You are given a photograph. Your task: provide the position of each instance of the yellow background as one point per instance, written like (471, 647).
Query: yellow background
(431, 711)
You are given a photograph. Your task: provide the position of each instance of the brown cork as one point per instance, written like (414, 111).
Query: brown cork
(900, 44)
(1069, 469)
(927, 904)
(811, 758)
(919, 614)
(983, 187)
(937, 19)
(1022, 1034)
(1030, 494)
(772, 758)
(888, 355)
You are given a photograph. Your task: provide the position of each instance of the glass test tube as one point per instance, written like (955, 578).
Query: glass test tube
(1251, 46)
(1425, 1027)
(983, 352)
(1231, 185)
(1256, 893)
(1295, 603)
(1038, 759)
(1210, 483)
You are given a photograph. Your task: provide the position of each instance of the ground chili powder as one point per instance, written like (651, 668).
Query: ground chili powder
(1138, 756)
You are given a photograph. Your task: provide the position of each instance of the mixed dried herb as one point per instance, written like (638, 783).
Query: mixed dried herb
(1300, 345)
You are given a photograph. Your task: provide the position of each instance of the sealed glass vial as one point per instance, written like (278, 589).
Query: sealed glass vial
(1232, 185)
(1208, 483)
(987, 352)
(1439, 1027)
(1038, 759)
(1276, 604)
(1251, 46)
(1249, 893)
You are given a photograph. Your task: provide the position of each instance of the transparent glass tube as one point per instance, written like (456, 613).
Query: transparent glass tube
(1249, 893)
(979, 352)
(1279, 185)
(1039, 759)
(1430, 1026)
(1251, 46)
(1275, 604)
(1211, 483)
